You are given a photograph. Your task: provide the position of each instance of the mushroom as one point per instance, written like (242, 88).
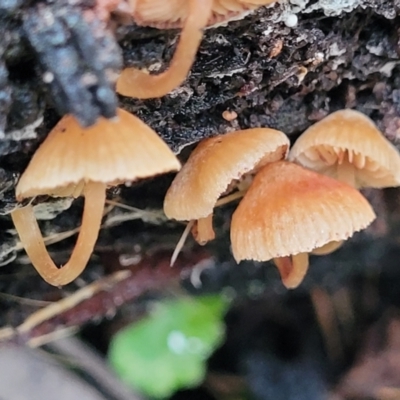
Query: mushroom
(75, 161)
(193, 16)
(348, 146)
(167, 14)
(136, 83)
(289, 211)
(216, 167)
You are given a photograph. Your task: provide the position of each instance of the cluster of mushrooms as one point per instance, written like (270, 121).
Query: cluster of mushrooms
(309, 203)
(293, 203)
(75, 161)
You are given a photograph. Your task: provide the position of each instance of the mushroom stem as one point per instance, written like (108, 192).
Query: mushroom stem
(292, 269)
(203, 230)
(135, 83)
(181, 242)
(31, 238)
(327, 248)
(229, 198)
(346, 173)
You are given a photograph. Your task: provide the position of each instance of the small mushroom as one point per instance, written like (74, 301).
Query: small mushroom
(75, 161)
(289, 211)
(193, 16)
(136, 83)
(348, 146)
(215, 168)
(169, 14)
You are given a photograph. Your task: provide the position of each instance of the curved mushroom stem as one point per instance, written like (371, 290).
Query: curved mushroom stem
(292, 269)
(327, 248)
(135, 83)
(203, 230)
(346, 172)
(28, 229)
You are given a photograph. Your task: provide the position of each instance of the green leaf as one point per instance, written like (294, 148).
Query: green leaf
(167, 350)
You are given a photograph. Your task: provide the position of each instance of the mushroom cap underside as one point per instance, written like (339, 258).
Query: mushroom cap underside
(349, 134)
(290, 210)
(111, 152)
(215, 163)
(168, 14)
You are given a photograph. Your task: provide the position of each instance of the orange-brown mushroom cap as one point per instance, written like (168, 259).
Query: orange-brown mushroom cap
(111, 151)
(290, 210)
(214, 164)
(166, 14)
(349, 139)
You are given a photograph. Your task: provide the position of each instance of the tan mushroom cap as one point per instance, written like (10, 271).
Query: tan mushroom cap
(111, 151)
(290, 210)
(166, 14)
(215, 163)
(349, 134)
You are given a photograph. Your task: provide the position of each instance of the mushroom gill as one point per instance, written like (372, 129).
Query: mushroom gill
(348, 146)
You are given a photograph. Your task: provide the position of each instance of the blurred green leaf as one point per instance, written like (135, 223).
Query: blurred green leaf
(167, 350)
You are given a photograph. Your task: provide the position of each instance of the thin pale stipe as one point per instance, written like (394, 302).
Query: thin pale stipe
(181, 242)
(135, 83)
(28, 229)
(346, 172)
(229, 198)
